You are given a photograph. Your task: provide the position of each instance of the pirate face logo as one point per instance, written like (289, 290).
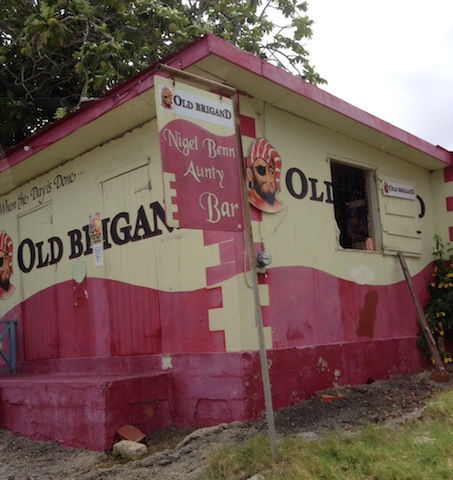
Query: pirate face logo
(6, 266)
(263, 176)
(166, 98)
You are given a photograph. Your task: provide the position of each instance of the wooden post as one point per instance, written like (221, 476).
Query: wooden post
(421, 317)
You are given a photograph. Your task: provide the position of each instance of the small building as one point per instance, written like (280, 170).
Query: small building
(125, 318)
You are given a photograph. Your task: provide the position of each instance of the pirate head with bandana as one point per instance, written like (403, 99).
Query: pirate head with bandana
(263, 168)
(167, 98)
(6, 266)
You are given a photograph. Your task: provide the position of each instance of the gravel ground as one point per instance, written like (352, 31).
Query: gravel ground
(392, 400)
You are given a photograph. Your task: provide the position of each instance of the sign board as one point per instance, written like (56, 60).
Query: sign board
(392, 189)
(199, 157)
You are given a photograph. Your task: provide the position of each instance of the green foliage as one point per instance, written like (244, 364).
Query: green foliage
(439, 309)
(418, 450)
(237, 463)
(53, 53)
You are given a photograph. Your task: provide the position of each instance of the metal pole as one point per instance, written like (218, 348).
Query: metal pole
(256, 295)
(227, 90)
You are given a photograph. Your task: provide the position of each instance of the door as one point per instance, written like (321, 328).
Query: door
(130, 265)
(39, 322)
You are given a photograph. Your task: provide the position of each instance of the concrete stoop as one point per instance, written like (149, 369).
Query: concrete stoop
(83, 410)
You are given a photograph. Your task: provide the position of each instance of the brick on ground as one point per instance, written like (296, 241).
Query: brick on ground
(129, 432)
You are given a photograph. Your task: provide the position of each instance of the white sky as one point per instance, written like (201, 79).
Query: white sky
(391, 58)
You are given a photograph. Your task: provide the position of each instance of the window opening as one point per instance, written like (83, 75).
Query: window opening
(352, 206)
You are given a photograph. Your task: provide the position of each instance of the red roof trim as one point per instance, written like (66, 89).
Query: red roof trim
(190, 55)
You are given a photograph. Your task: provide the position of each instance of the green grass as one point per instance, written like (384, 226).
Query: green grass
(418, 450)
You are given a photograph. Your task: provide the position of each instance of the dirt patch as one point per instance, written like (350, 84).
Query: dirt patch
(393, 400)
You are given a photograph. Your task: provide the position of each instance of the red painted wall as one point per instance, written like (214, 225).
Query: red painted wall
(307, 307)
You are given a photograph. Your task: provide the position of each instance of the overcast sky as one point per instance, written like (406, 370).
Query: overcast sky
(391, 58)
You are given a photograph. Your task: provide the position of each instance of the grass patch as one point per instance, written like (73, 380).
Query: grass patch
(417, 450)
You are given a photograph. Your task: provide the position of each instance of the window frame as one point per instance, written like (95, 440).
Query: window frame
(372, 203)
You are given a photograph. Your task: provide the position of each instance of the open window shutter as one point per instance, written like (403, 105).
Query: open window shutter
(400, 225)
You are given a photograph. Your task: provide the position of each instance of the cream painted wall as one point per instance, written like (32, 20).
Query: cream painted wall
(304, 232)
(70, 206)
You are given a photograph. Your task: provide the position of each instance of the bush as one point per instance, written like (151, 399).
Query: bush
(439, 309)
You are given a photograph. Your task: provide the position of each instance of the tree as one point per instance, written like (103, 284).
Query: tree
(55, 54)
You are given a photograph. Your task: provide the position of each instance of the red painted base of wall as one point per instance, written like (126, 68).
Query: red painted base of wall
(58, 400)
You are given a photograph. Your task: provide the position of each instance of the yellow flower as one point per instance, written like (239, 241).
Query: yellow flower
(448, 359)
(432, 284)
